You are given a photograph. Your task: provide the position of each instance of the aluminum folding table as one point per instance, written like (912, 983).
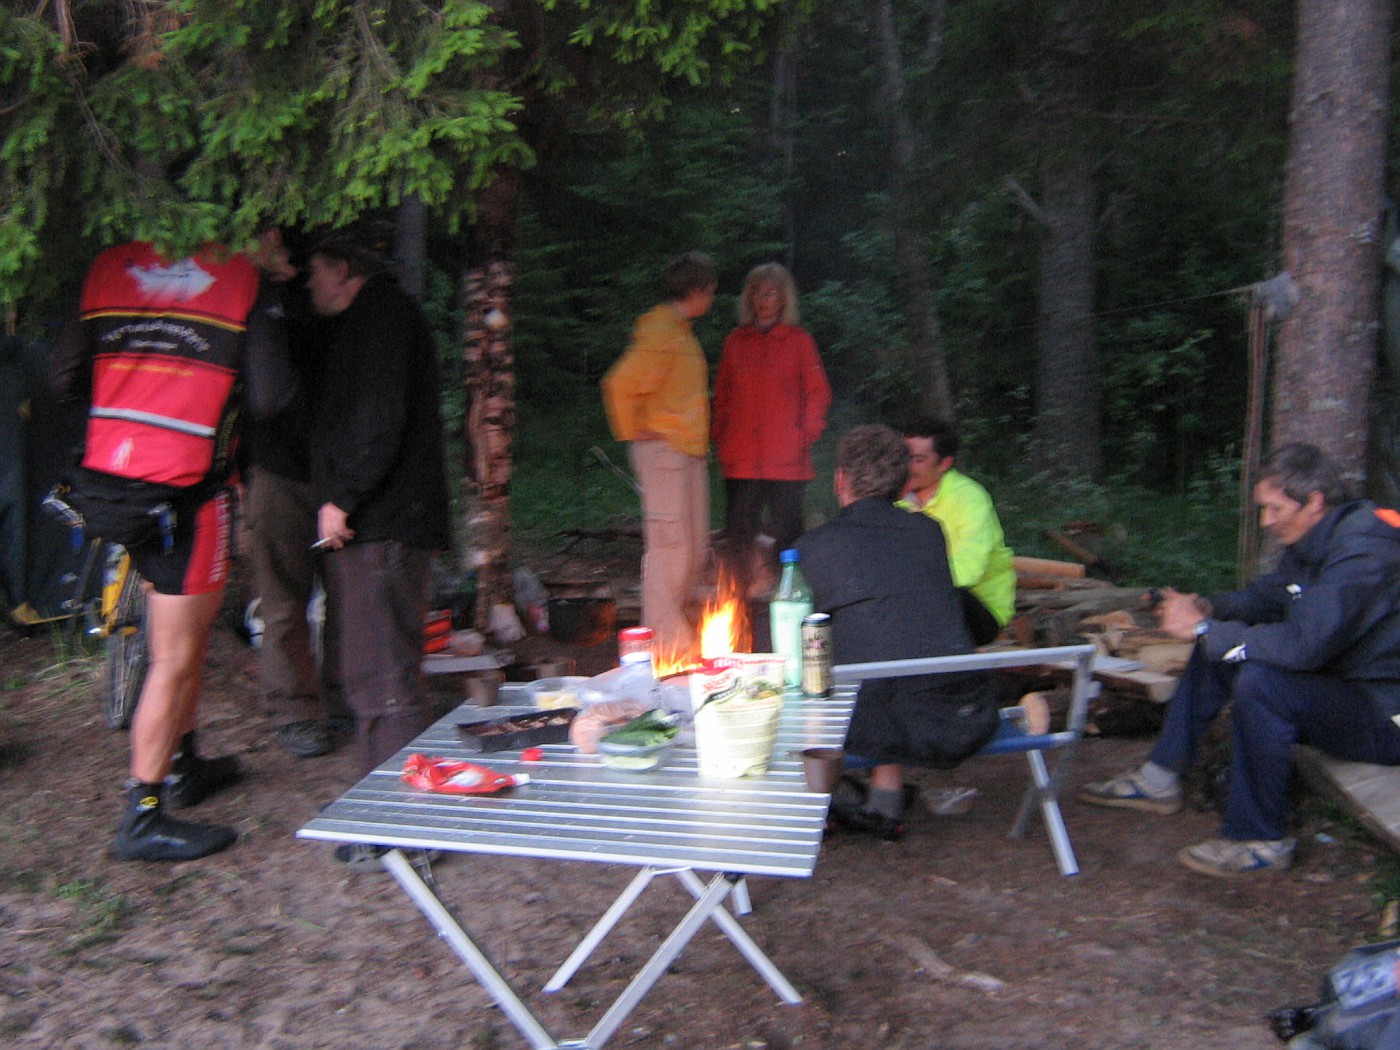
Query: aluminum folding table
(670, 821)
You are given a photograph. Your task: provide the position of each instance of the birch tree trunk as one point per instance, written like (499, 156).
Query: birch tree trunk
(1331, 228)
(488, 355)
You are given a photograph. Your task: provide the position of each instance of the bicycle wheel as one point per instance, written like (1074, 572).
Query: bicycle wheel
(126, 650)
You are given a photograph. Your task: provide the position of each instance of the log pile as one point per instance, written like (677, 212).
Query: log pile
(1058, 603)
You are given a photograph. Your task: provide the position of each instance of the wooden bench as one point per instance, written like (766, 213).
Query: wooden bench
(1370, 792)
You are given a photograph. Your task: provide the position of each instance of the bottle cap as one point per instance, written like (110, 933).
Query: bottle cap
(788, 555)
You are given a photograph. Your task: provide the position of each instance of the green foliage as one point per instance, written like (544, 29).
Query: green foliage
(202, 120)
(690, 39)
(315, 115)
(1148, 538)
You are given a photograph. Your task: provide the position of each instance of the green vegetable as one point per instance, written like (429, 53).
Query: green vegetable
(646, 730)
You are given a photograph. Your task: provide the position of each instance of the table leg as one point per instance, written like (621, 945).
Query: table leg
(451, 931)
(710, 899)
(602, 927)
(741, 940)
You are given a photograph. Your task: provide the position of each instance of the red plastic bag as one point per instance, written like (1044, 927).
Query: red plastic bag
(445, 776)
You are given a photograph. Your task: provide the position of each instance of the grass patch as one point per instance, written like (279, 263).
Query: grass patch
(103, 913)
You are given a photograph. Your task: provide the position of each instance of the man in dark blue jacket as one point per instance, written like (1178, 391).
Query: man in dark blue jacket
(1308, 653)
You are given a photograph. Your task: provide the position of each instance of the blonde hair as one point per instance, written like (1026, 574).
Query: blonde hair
(776, 274)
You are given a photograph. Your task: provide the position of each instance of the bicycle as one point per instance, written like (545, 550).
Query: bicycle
(109, 601)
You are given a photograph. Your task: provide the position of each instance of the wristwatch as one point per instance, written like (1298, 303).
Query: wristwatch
(1202, 628)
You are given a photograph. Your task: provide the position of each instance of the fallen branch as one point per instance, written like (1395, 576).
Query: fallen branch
(929, 961)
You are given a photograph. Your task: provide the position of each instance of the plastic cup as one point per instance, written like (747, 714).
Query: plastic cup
(484, 689)
(822, 767)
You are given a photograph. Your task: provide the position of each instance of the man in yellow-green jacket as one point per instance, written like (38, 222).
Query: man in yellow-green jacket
(977, 552)
(657, 398)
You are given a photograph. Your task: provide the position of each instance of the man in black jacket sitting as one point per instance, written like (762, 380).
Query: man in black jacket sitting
(883, 575)
(1306, 654)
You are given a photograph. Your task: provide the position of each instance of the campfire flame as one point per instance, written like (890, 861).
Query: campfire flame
(719, 633)
(724, 629)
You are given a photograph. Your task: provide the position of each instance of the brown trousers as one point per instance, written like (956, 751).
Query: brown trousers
(382, 589)
(282, 521)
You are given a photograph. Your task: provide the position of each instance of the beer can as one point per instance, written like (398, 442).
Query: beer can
(816, 656)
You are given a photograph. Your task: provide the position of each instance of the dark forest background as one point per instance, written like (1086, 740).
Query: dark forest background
(1045, 219)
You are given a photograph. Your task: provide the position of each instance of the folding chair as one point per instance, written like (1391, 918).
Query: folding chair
(1043, 792)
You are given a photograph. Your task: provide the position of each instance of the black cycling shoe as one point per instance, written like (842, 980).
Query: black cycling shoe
(148, 834)
(858, 818)
(192, 780)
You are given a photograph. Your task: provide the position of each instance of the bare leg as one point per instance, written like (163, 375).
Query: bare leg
(887, 778)
(178, 628)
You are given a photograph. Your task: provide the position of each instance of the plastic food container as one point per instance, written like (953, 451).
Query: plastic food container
(517, 732)
(632, 758)
(548, 694)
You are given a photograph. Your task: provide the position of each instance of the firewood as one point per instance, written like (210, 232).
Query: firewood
(1047, 567)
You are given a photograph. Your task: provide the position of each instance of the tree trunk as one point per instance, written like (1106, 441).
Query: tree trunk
(1067, 423)
(1331, 228)
(489, 358)
(411, 246)
(1067, 392)
(782, 110)
(915, 275)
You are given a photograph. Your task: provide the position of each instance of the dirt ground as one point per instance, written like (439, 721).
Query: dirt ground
(956, 937)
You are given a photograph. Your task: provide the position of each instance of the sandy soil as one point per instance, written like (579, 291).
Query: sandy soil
(955, 937)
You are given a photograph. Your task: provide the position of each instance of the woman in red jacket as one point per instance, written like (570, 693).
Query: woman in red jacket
(770, 402)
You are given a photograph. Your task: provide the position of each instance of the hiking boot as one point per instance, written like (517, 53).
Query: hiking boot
(342, 728)
(193, 779)
(1129, 791)
(361, 857)
(306, 739)
(1239, 857)
(867, 821)
(147, 833)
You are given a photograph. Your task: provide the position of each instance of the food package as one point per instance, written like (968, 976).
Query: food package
(734, 736)
(715, 679)
(446, 776)
(738, 701)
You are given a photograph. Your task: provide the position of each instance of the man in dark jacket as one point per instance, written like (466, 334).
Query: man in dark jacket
(378, 473)
(883, 575)
(303, 700)
(1306, 654)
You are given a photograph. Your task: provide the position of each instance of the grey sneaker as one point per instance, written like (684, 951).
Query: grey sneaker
(306, 739)
(361, 857)
(1129, 791)
(1235, 857)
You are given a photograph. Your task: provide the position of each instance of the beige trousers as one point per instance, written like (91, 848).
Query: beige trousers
(676, 532)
